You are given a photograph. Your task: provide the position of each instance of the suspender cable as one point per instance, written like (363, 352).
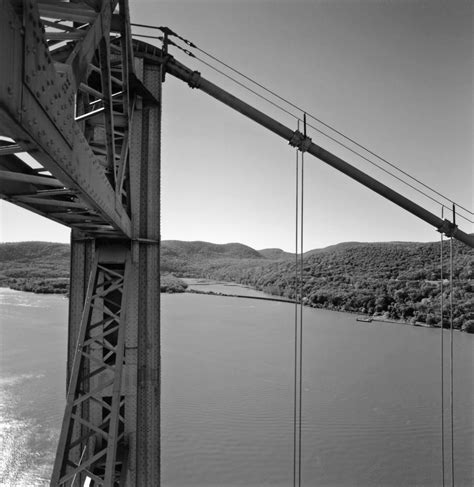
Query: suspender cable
(301, 308)
(442, 354)
(295, 396)
(298, 331)
(451, 340)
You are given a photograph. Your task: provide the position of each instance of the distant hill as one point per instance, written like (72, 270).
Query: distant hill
(398, 280)
(35, 266)
(34, 252)
(276, 254)
(201, 259)
(204, 250)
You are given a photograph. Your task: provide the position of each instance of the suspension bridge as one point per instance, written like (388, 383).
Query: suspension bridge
(80, 123)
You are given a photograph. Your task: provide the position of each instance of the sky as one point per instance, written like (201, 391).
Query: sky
(395, 75)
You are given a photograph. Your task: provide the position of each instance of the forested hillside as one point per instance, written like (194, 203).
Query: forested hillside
(191, 259)
(43, 267)
(40, 267)
(397, 280)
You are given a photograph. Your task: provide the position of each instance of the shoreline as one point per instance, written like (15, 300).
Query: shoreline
(218, 293)
(378, 319)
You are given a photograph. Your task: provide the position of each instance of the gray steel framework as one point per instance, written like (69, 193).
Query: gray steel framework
(94, 417)
(80, 118)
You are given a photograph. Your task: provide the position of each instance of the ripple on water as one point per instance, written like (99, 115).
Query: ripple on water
(25, 441)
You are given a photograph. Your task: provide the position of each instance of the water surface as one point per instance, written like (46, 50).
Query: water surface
(371, 403)
(32, 384)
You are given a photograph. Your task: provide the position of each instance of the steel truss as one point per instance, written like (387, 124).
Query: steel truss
(92, 437)
(68, 90)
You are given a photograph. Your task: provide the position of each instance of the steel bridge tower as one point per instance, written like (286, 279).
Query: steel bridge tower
(80, 115)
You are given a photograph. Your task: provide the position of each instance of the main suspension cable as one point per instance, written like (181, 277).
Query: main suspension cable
(345, 146)
(276, 105)
(329, 127)
(353, 141)
(259, 95)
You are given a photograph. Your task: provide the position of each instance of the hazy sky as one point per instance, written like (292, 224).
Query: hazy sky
(395, 75)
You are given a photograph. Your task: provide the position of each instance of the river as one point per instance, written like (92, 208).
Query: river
(371, 400)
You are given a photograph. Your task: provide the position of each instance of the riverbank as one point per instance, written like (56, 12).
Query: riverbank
(214, 293)
(213, 288)
(171, 285)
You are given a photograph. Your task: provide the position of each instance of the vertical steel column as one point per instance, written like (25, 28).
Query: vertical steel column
(142, 345)
(81, 262)
(82, 255)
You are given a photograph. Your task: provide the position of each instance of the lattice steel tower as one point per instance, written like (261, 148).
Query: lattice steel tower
(85, 105)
